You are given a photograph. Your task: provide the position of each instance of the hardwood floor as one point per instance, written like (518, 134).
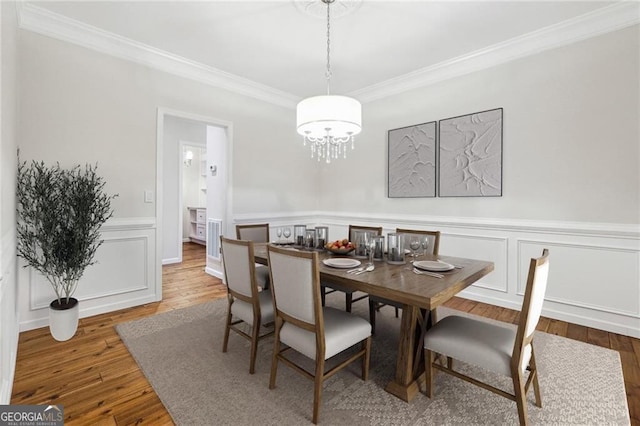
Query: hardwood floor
(99, 383)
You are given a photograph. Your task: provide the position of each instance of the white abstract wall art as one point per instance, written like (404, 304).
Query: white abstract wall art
(412, 161)
(471, 155)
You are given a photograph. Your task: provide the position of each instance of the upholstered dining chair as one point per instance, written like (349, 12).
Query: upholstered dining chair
(494, 347)
(246, 304)
(302, 324)
(328, 288)
(433, 247)
(258, 233)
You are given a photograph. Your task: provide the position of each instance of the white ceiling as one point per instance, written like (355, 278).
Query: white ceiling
(274, 43)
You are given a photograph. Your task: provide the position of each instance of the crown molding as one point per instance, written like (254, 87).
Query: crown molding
(600, 21)
(45, 22)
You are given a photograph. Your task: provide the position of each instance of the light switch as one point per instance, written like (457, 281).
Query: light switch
(148, 196)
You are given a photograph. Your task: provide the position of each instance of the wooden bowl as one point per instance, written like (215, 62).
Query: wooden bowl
(341, 251)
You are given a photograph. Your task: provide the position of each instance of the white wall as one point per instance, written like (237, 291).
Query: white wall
(571, 146)
(571, 181)
(78, 105)
(9, 314)
(571, 178)
(219, 179)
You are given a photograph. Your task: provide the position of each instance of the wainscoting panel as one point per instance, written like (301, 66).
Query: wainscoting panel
(587, 276)
(595, 267)
(124, 275)
(123, 268)
(483, 247)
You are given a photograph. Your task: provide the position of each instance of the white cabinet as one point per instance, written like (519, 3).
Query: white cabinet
(198, 225)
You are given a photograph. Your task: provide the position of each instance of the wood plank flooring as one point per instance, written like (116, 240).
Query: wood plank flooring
(99, 383)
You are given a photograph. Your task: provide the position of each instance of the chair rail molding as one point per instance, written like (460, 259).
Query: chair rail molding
(594, 267)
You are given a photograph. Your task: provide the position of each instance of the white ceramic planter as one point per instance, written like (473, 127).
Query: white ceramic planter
(63, 321)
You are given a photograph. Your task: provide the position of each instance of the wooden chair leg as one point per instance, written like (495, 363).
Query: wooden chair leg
(521, 398)
(227, 327)
(276, 352)
(372, 316)
(366, 345)
(536, 385)
(317, 389)
(254, 345)
(429, 372)
(348, 301)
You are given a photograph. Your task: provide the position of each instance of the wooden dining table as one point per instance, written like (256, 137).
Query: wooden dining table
(419, 295)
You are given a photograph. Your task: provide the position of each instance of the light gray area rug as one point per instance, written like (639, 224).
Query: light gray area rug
(180, 354)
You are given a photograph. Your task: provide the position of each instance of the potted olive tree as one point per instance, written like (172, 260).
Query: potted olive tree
(60, 212)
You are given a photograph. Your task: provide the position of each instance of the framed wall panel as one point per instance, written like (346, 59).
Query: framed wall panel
(470, 155)
(412, 161)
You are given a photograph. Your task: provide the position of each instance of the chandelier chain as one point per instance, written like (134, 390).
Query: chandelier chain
(328, 74)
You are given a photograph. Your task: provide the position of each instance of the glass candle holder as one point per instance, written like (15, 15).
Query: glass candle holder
(322, 236)
(395, 248)
(299, 235)
(361, 241)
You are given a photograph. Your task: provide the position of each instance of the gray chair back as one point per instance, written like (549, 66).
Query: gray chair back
(258, 233)
(377, 230)
(433, 237)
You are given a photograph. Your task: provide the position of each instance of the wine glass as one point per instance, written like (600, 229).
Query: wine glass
(279, 233)
(287, 233)
(414, 245)
(425, 245)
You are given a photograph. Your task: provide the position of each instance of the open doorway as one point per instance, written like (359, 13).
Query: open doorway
(177, 131)
(193, 193)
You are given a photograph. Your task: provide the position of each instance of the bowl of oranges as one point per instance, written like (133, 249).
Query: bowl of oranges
(340, 246)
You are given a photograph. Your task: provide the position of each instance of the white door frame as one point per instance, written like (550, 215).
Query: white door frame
(210, 121)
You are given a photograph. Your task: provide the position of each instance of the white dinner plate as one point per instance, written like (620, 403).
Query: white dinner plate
(430, 265)
(340, 262)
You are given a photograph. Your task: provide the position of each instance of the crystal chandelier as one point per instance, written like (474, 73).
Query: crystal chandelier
(328, 122)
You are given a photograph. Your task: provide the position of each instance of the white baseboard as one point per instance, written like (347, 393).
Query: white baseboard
(89, 310)
(216, 273)
(5, 392)
(171, 261)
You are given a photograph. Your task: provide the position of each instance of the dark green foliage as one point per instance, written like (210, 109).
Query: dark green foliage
(60, 212)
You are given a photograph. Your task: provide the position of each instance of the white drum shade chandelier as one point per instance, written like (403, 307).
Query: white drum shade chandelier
(328, 122)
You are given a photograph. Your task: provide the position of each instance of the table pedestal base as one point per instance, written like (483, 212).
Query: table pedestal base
(408, 379)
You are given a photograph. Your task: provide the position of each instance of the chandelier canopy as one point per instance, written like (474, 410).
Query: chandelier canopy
(328, 122)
